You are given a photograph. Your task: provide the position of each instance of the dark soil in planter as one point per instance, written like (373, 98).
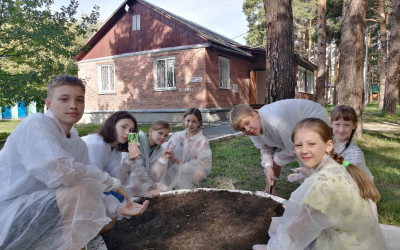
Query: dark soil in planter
(197, 220)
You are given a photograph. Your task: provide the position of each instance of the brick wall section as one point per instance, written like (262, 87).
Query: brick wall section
(135, 82)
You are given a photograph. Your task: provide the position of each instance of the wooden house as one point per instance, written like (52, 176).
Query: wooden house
(156, 64)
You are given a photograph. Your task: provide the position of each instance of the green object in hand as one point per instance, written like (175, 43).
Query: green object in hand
(134, 137)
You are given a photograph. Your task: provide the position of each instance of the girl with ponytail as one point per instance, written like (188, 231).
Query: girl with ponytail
(344, 123)
(331, 208)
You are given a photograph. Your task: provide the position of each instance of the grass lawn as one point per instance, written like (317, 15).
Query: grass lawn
(236, 162)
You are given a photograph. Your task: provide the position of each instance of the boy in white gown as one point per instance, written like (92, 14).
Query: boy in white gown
(50, 198)
(270, 129)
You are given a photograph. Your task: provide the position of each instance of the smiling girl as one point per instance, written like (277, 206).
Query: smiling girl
(330, 209)
(344, 123)
(105, 152)
(192, 156)
(154, 157)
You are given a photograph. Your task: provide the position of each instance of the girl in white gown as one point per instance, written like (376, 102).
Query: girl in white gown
(330, 209)
(192, 157)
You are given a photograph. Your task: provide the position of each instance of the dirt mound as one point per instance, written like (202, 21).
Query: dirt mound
(197, 220)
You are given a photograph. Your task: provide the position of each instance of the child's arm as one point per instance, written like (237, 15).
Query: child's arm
(45, 159)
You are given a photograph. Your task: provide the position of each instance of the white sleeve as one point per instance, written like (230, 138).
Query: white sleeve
(266, 151)
(45, 159)
(137, 179)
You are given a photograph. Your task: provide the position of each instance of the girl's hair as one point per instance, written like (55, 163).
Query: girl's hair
(237, 113)
(160, 124)
(346, 113)
(367, 187)
(108, 132)
(196, 112)
(63, 80)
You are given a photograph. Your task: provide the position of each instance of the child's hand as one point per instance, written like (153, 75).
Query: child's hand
(134, 151)
(134, 208)
(153, 192)
(124, 193)
(168, 152)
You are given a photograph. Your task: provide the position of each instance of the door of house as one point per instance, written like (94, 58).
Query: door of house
(258, 88)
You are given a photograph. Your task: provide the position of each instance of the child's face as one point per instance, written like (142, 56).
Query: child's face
(310, 148)
(251, 124)
(192, 124)
(122, 128)
(342, 129)
(158, 136)
(67, 104)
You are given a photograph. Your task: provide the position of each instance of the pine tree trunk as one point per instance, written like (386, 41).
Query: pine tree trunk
(320, 82)
(393, 65)
(350, 87)
(280, 80)
(383, 51)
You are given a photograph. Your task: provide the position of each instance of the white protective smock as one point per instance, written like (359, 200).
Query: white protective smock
(326, 212)
(132, 174)
(354, 155)
(194, 152)
(39, 167)
(153, 162)
(277, 122)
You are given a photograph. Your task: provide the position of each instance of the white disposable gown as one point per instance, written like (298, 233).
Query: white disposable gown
(326, 212)
(277, 122)
(194, 152)
(37, 164)
(132, 174)
(354, 155)
(152, 162)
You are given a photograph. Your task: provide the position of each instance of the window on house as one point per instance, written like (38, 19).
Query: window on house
(164, 73)
(224, 73)
(135, 22)
(305, 80)
(106, 79)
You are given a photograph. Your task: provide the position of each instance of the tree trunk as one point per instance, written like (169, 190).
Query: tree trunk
(393, 65)
(350, 87)
(328, 76)
(310, 31)
(280, 80)
(383, 52)
(336, 79)
(320, 87)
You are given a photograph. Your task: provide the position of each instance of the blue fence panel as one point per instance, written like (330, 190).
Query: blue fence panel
(6, 113)
(21, 110)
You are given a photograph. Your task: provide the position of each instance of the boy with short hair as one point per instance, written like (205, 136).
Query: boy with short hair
(50, 198)
(270, 129)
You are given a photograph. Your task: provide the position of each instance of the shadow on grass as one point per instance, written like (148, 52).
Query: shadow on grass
(389, 136)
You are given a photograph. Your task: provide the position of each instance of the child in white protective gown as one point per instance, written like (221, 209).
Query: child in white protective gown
(270, 128)
(50, 197)
(191, 158)
(330, 209)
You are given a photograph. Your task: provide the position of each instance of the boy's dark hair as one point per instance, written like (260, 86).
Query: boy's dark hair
(108, 132)
(64, 80)
(196, 112)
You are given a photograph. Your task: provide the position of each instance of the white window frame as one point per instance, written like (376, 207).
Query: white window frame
(135, 22)
(224, 73)
(158, 86)
(109, 86)
(305, 80)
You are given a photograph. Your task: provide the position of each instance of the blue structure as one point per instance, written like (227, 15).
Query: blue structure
(6, 113)
(19, 111)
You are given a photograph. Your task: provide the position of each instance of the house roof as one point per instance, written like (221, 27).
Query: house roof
(216, 40)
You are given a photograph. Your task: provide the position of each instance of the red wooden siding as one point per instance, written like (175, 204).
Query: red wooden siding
(156, 31)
